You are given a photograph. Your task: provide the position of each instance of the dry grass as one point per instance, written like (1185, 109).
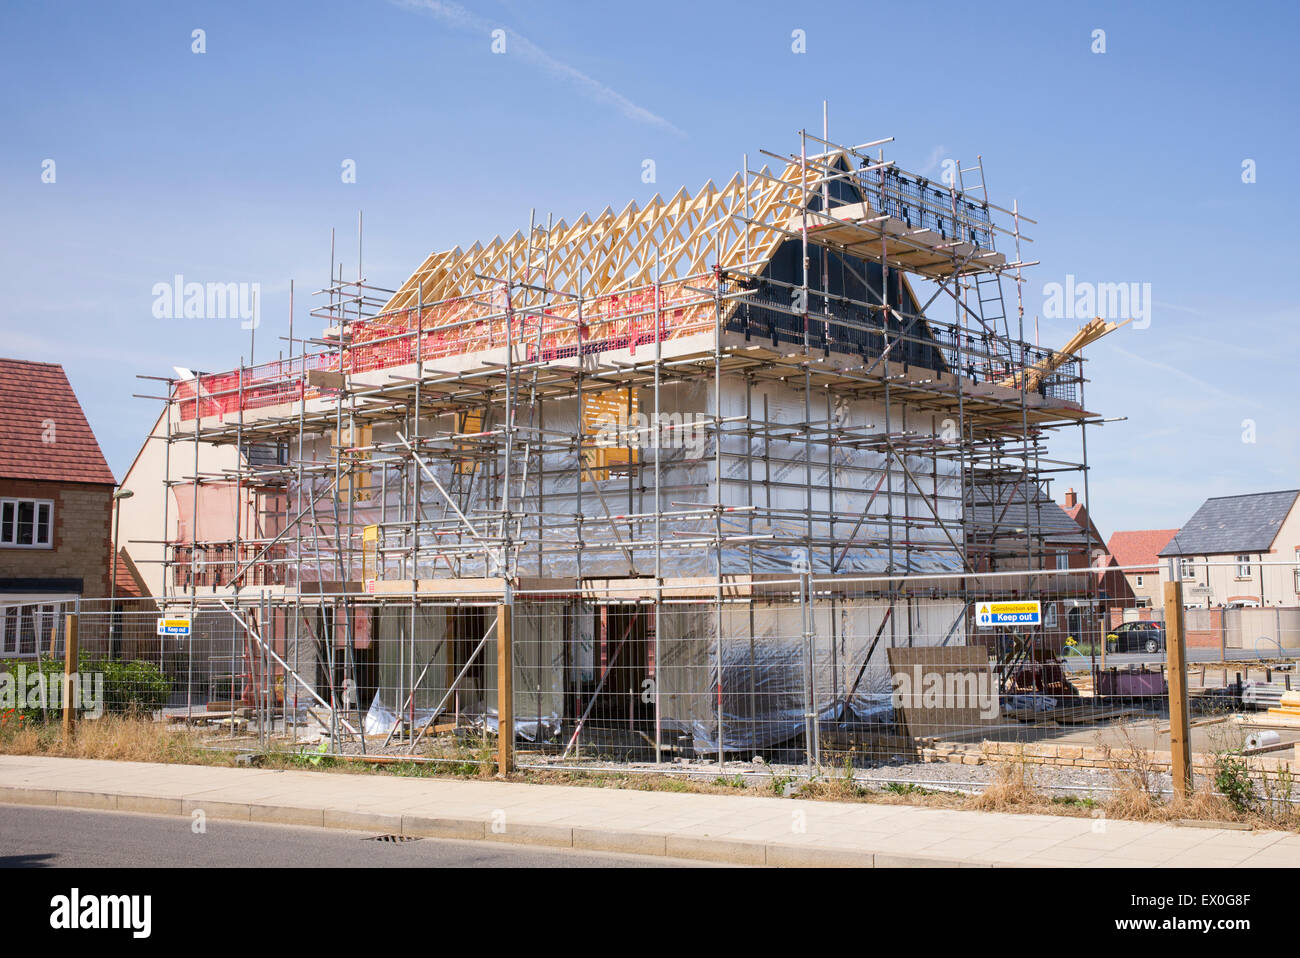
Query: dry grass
(1135, 779)
(116, 738)
(1012, 788)
(1136, 791)
(1138, 795)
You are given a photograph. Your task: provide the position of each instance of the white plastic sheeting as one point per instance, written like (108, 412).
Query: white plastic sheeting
(764, 697)
(764, 664)
(539, 630)
(783, 476)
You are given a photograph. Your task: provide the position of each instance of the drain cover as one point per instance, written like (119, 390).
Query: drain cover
(395, 839)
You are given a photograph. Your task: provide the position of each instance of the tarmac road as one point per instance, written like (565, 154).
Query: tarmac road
(43, 837)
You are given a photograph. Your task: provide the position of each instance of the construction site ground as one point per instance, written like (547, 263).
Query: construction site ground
(1215, 735)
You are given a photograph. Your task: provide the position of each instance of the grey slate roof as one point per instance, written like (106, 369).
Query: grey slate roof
(1002, 509)
(1233, 524)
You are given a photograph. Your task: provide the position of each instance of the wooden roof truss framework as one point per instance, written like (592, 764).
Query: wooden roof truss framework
(681, 248)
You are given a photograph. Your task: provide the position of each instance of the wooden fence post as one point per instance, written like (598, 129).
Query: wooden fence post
(69, 672)
(1180, 733)
(505, 693)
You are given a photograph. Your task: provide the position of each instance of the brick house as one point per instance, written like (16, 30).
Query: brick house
(1138, 551)
(56, 497)
(1114, 591)
(1239, 550)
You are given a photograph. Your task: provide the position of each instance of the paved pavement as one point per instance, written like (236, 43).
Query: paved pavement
(36, 837)
(739, 829)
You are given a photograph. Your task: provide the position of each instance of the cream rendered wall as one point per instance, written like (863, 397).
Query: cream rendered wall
(1270, 585)
(142, 515)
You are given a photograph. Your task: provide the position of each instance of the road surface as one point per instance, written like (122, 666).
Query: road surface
(44, 837)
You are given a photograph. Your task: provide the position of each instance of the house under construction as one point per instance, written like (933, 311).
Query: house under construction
(717, 452)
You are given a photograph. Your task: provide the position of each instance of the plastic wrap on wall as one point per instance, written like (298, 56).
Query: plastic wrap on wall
(426, 658)
(539, 630)
(765, 666)
(773, 473)
(530, 728)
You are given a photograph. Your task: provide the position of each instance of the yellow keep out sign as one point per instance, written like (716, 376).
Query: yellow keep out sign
(176, 625)
(990, 615)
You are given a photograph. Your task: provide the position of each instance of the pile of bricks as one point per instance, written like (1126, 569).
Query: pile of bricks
(1080, 756)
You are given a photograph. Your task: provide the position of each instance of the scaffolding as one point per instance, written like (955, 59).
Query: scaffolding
(699, 400)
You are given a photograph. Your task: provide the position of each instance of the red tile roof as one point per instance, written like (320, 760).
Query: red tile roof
(128, 585)
(1139, 547)
(44, 433)
(1083, 521)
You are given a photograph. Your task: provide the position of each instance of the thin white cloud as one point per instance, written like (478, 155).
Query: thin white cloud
(931, 165)
(1176, 308)
(459, 18)
(1182, 374)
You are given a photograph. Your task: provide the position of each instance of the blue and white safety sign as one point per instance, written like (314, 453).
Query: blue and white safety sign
(990, 615)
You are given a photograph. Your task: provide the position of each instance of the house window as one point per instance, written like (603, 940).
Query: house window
(9, 630)
(1243, 567)
(1188, 568)
(1297, 569)
(26, 523)
(1062, 560)
(1139, 582)
(24, 629)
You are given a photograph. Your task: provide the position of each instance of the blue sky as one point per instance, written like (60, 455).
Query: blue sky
(225, 167)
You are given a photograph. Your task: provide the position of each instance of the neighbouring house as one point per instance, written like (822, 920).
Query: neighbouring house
(1221, 551)
(56, 500)
(1138, 552)
(1112, 594)
(1074, 603)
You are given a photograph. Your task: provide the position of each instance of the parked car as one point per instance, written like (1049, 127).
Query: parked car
(1137, 637)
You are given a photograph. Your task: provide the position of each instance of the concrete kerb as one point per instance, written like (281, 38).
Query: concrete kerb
(624, 841)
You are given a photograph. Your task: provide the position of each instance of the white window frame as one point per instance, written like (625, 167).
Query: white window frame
(10, 626)
(1062, 560)
(12, 617)
(1243, 563)
(1139, 580)
(9, 531)
(1187, 568)
(1297, 570)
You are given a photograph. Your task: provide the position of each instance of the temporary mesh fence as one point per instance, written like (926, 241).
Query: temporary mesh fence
(803, 671)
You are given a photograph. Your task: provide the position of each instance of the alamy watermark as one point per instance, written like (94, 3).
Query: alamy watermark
(181, 300)
(1111, 301)
(920, 688)
(676, 430)
(26, 689)
(75, 911)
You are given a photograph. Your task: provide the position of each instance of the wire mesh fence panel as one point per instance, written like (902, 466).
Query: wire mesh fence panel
(1065, 665)
(806, 672)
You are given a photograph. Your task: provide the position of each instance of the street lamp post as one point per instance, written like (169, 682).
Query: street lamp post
(118, 496)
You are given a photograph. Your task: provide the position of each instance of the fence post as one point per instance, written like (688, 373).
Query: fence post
(505, 693)
(69, 671)
(1180, 733)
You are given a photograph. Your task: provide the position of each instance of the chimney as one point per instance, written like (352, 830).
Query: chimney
(1071, 500)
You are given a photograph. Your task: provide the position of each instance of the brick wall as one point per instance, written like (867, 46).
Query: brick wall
(82, 539)
(1082, 756)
